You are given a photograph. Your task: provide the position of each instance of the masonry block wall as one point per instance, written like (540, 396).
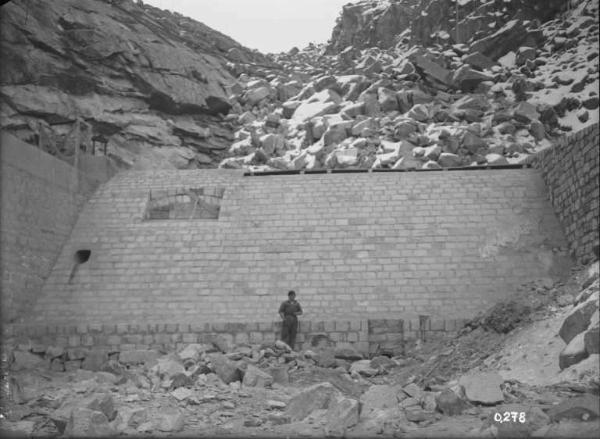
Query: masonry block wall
(41, 197)
(367, 336)
(571, 171)
(356, 246)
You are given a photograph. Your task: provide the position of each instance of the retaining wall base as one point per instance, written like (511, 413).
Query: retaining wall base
(366, 336)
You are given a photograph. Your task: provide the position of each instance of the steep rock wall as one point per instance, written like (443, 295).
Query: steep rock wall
(140, 76)
(370, 23)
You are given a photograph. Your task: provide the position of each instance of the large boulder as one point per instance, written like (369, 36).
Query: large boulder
(25, 360)
(449, 403)
(324, 102)
(347, 352)
(478, 61)
(419, 112)
(103, 403)
(168, 366)
(341, 415)
(255, 377)
(256, 95)
(169, 420)
(586, 407)
(574, 352)
(431, 70)
(482, 388)
(225, 369)
(365, 127)
(472, 142)
(591, 339)
(336, 132)
(467, 79)
(510, 37)
(579, 319)
(368, 65)
(371, 103)
(280, 375)
(525, 112)
(378, 397)
(387, 99)
(272, 143)
(347, 157)
(449, 160)
(315, 397)
(326, 358)
(363, 367)
(86, 422)
(473, 101)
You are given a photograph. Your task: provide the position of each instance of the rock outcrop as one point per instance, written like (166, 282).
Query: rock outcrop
(392, 90)
(366, 24)
(141, 77)
(385, 23)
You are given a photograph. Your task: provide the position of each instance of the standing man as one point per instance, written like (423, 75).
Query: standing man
(289, 312)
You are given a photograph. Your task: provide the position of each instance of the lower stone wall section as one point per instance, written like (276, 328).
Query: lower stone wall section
(366, 336)
(41, 199)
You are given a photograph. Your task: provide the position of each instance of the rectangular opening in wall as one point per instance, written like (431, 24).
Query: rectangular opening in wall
(184, 204)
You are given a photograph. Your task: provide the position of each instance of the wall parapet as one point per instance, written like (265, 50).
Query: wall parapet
(571, 171)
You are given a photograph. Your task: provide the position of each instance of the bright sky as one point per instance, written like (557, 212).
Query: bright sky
(267, 25)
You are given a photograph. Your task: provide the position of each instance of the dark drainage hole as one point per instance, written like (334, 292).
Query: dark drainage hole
(80, 257)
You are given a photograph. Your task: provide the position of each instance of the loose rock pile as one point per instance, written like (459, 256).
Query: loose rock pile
(581, 330)
(493, 101)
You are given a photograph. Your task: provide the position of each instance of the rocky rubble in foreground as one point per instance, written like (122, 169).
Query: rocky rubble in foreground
(220, 388)
(492, 100)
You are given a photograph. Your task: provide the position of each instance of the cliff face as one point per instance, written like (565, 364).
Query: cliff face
(368, 24)
(384, 23)
(138, 75)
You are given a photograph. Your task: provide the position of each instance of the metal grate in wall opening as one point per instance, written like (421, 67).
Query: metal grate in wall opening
(184, 204)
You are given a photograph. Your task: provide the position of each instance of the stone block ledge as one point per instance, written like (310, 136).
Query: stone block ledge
(368, 335)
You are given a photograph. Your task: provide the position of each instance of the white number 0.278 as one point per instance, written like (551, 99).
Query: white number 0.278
(510, 417)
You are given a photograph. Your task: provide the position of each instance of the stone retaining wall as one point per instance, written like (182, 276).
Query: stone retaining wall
(41, 198)
(354, 246)
(571, 171)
